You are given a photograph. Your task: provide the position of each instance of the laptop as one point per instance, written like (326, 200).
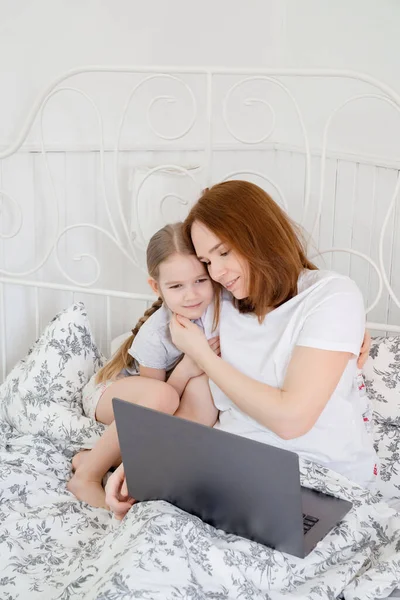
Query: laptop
(235, 484)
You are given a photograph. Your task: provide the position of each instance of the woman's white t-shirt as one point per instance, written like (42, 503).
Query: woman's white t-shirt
(327, 313)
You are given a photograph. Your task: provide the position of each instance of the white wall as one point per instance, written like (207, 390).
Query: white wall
(41, 39)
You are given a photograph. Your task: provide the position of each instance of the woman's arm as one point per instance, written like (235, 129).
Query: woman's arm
(291, 411)
(365, 348)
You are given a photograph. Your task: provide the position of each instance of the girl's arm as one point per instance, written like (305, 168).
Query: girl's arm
(184, 370)
(152, 373)
(178, 378)
(187, 368)
(117, 497)
(290, 411)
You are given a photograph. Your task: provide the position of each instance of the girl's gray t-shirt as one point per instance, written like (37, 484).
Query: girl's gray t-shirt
(153, 347)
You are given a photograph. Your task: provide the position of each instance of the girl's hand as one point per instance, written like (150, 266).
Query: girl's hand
(188, 337)
(192, 369)
(365, 348)
(117, 496)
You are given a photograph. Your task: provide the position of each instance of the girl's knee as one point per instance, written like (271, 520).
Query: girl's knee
(167, 400)
(197, 402)
(147, 392)
(196, 382)
(154, 394)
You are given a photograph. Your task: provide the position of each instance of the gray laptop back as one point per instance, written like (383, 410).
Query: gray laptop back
(233, 483)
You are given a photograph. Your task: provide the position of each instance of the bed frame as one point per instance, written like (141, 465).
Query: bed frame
(108, 154)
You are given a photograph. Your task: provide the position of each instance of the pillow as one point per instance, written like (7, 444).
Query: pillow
(382, 379)
(387, 445)
(118, 341)
(43, 392)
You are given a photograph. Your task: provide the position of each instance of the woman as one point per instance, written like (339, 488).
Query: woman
(289, 337)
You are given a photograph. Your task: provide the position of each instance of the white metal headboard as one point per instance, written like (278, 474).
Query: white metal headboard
(125, 149)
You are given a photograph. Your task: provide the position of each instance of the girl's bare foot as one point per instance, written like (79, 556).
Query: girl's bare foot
(87, 490)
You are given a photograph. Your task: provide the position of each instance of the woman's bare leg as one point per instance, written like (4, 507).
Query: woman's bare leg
(197, 403)
(92, 465)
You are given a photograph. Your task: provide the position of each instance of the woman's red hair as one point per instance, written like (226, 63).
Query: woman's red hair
(245, 217)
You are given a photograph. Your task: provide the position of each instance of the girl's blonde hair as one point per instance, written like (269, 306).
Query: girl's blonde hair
(164, 244)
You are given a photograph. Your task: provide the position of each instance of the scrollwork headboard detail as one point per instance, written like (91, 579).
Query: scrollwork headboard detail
(109, 154)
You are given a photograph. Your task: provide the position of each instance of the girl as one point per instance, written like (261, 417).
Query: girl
(289, 335)
(184, 287)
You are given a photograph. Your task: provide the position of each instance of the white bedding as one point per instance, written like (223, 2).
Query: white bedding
(52, 546)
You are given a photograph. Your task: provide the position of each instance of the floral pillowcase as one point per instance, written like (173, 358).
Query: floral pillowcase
(382, 379)
(43, 392)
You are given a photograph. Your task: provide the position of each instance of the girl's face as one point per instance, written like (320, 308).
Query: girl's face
(185, 285)
(224, 264)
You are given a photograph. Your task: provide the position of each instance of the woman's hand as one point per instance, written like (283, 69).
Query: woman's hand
(365, 348)
(192, 369)
(214, 345)
(188, 337)
(117, 496)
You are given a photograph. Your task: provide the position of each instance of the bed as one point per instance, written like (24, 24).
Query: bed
(106, 156)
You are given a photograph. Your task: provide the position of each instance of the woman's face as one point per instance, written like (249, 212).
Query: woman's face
(224, 265)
